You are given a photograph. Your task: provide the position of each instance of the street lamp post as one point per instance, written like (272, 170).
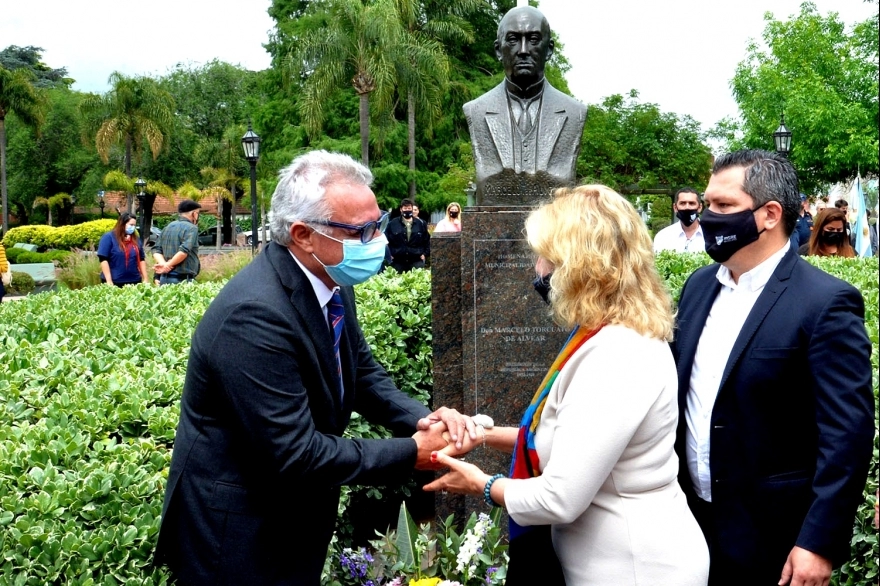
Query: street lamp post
(140, 184)
(250, 142)
(101, 203)
(782, 138)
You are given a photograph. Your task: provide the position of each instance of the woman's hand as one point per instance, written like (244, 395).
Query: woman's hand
(462, 478)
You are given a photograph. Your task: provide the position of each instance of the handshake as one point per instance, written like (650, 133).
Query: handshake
(446, 431)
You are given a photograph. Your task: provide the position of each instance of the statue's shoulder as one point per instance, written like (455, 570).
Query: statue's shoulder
(490, 101)
(571, 104)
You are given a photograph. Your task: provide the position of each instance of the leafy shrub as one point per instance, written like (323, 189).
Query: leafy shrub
(22, 256)
(13, 253)
(84, 235)
(21, 284)
(89, 400)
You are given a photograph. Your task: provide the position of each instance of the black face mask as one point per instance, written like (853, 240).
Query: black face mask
(407, 215)
(542, 286)
(832, 238)
(726, 234)
(453, 214)
(687, 217)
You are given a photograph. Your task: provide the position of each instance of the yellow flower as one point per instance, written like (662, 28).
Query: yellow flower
(425, 582)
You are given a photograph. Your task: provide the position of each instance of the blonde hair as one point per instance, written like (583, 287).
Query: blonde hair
(604, 262)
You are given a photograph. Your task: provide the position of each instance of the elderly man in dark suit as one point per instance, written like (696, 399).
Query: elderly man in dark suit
(776, 410)
(277, 365)
(526, 134)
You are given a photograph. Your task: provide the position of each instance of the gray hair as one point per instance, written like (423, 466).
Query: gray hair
(768, 177)
(299, 195)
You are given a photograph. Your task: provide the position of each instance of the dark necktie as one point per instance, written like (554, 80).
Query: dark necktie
(335, 315)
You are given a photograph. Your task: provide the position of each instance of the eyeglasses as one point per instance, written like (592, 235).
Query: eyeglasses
(367, 231)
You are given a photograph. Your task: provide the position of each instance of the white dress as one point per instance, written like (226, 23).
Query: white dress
(608, 484)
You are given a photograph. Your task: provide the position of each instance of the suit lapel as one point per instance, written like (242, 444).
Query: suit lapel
(304, 303)
(774, 288)
(552, 120)
(498, 122)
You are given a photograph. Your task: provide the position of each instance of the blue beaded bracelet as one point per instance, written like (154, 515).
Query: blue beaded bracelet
(487, 491)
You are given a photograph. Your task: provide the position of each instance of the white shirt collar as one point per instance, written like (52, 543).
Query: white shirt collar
(756, 278)
(322, 292)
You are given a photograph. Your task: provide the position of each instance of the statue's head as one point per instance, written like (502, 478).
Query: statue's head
(524, 45)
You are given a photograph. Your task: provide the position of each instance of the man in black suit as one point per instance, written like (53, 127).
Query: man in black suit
(409, 241)
(776, 409)
(259, 454)
(526, 134)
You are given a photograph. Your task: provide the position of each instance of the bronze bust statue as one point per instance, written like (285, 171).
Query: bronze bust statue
(525, 133)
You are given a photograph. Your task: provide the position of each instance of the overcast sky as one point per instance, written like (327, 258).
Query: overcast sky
(680, 54)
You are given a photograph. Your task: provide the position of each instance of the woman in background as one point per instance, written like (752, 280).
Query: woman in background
(829, 237)
(452, 221)
(594, 456)
(121, 254)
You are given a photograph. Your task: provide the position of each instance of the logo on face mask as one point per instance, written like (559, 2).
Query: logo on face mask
(726, 234)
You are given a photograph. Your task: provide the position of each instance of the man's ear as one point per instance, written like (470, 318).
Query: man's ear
(551, 46)
(497, 46)
(773, 215)
(301, 236)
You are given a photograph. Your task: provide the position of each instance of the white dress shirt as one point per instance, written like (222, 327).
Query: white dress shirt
(322, 292)
(726, 318)
(673, 238)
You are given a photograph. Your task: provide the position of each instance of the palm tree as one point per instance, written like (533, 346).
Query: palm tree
(356, 45)
(134, 110)
(17, 94)
(222, 185)
(422, 72)
(223, 163)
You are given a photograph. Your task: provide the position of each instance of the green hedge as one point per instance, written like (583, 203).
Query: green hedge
(88, 409)
(21, 256)
(84, 235)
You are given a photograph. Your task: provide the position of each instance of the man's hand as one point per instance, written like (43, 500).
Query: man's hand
(805, 568)
(428, 441)
(454, 421)
(161, 268)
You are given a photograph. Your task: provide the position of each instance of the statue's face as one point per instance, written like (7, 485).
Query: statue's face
(524, 44)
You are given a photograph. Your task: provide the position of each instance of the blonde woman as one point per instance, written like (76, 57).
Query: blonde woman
(452, 221)
(594, 456)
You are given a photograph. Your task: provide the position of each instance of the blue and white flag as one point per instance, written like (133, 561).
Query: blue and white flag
(858, 211)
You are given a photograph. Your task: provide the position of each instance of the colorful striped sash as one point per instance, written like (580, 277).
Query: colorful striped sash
(525, 462)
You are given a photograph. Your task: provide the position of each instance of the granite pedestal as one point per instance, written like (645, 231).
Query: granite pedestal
(493, 336)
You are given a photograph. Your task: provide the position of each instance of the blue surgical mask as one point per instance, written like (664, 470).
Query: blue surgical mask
(129, 230)
(359, 261)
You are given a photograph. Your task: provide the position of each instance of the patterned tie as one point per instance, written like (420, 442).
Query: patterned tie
(335, 315)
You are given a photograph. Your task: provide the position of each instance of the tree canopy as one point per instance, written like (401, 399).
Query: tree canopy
(824, 76)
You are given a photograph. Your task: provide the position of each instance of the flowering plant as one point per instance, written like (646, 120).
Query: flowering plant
(426, 556)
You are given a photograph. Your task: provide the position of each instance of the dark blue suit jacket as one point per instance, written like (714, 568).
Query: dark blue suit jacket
(792, 425)
(259, 456)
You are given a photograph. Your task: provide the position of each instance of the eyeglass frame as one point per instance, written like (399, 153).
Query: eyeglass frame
(379, 225)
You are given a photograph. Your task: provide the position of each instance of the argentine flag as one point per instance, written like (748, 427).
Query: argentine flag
(860, 226)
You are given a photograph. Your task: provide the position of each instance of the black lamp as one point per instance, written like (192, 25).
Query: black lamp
(250, 142)
(782, 138)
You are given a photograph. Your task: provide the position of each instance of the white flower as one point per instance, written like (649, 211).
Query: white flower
(471, 546)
